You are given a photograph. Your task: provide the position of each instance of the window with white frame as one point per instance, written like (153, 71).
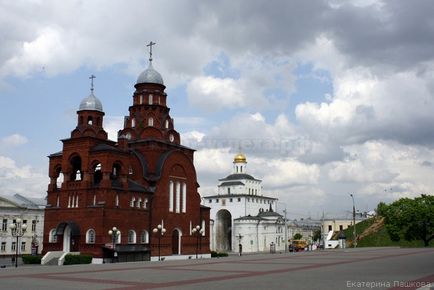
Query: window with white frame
(5, 225)
(34, 226)
(131, 237)
(90, 236)
(52, 236)
(13, 246)
(3, 247)
(23, 246)
(178, 197)
(144, 237)
(184, 197)
(171, 189)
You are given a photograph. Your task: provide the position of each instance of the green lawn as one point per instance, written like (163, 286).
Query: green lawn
(380, 238)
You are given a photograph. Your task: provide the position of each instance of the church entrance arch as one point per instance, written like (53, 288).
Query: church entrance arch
(176, 241)
(224, 230)
(71, 236)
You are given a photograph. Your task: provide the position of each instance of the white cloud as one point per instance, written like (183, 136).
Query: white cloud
(13, 140)
(24, 180)
(214, 94)
(112, 124)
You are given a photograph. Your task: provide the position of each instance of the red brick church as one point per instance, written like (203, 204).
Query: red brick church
(131, 199)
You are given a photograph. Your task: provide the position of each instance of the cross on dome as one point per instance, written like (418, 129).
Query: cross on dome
(91, 82)
(150, 50)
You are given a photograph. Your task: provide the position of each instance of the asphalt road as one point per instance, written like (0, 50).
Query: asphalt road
(364, 268)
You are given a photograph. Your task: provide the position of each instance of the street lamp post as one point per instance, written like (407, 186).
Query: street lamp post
(114, 233)
(354, 222)
(160, 230)
(18, 228)
(197, 230)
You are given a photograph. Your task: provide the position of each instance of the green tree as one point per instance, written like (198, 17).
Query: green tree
(317, 235)
(297, 236)
(411, 219)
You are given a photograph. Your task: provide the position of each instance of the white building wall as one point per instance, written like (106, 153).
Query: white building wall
(6, 238)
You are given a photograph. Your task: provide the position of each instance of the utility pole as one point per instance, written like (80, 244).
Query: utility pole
(286, 232)
(354, 222)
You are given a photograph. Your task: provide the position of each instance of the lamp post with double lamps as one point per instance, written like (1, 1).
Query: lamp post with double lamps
(198, 231)
(160, 230)
(114, 233)
(18, 228)
(354, 222)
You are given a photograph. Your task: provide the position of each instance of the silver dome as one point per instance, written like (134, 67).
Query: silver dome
(91, 103)
(150, 75)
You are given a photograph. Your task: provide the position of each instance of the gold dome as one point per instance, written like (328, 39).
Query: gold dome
(240, 158)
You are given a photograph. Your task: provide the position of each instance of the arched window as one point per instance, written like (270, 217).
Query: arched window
(151, 99)
(76, 172)
(94, 199)
(97, 174)
(151, 121)
(117, 200)
(141, 99)
(59, 179)
(133, 122)
(90, 236)
(139, 203)
(166, 124)
(144, 237)
(133, 201)
(131, 237)
(89, 120)
(178, 197)
(171, 196)
(52, 238)
(184, 197)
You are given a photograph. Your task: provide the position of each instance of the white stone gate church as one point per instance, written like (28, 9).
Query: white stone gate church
(240, 214)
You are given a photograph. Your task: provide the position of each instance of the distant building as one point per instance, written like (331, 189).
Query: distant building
(31, 212)
(305, 227)
(241, 214)
(144, 180)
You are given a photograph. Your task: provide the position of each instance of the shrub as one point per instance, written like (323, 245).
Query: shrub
(77, 259)
(215, 254)
(29, 259)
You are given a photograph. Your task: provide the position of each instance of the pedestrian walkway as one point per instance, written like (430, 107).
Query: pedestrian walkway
(341, 269)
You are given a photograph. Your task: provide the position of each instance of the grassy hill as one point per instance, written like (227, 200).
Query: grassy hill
(372, 233)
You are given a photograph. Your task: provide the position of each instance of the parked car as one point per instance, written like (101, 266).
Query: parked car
(297, 246)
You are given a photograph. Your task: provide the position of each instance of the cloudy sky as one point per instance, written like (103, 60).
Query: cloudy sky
(325, 98)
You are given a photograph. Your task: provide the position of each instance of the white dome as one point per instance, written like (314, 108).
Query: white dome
(91, 103)
(150, 75)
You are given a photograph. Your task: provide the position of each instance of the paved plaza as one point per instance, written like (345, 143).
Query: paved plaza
(364, 268)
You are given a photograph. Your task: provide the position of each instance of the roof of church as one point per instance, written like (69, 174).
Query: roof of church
(269, 214)
(105, 147)
(231, 183)
(91, 103)
(150, 75)
(239, 195)
(236, 176)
